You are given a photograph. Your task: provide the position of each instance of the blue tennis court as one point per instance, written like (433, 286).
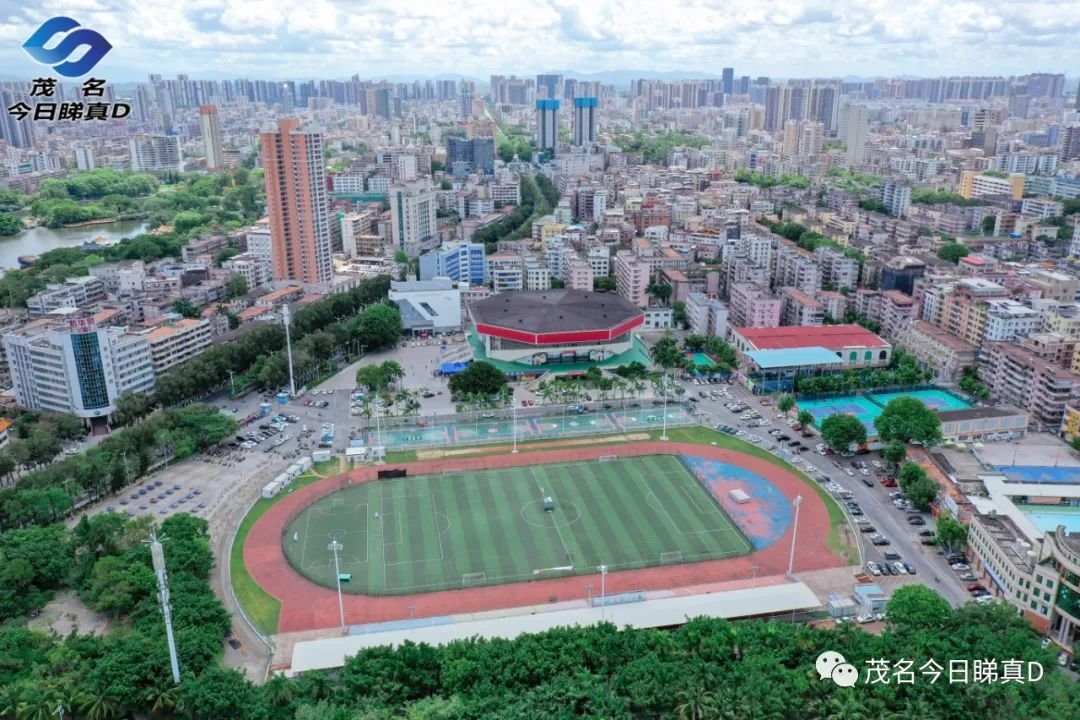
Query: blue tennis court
(933, 398)
(1041, 474)
(856, 405)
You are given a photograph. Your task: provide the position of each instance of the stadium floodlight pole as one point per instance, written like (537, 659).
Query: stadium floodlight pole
(664, 435)
(336, 547)
(157, 557)
(513, 410)
(603, 591)
(286, 317)
(794, 532)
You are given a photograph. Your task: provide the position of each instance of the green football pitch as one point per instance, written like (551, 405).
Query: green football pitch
(463, 529)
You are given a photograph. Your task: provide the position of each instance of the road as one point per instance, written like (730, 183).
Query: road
(874, 501)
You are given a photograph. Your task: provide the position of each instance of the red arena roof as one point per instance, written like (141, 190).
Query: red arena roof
(555, 317)
(833, 337)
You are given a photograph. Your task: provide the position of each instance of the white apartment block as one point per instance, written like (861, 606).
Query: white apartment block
(599, 260)
(706, 316)
(156, 154)
(250, 267)
(537, 275)
(75, 367)
(505, 272)
(1010, 320)
(260, 245)
(632, 277)
(348, 183)
(412, 217)
(78, 292)
(1041, 208)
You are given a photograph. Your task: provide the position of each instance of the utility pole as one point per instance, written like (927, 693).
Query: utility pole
(286, 316)
(157, 556)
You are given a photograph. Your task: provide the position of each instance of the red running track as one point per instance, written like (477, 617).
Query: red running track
(307, 606)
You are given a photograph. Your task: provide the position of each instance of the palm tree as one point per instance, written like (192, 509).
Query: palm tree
(392, 370)
(10, 701)
(697, 704)
(99, 705)
(39, 705)
(278, 691)
(163, 697)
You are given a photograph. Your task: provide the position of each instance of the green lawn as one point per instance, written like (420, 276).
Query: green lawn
(439, 532)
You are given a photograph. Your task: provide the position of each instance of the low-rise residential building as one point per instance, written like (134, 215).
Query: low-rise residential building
(1020, 377)
(505, 272)
(936, 349)
(753, 306)
(177, 340)
(706, 316)
(632, 277)
(251, 267)
(978, 185)
(77, 292)
(895, 308)
(1009, 320)
(798, 308)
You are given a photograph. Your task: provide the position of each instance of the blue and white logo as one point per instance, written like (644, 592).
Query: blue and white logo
(97, 46)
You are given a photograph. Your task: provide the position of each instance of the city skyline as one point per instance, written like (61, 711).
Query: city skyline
(382, 39)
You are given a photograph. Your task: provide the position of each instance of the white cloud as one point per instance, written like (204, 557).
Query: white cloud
(336, 38)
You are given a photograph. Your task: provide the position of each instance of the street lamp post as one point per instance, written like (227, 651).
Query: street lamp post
(232, 384)
(794, 533)
(336, 547)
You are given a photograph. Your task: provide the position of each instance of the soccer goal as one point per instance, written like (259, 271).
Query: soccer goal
(674, 556)
(473, 578)
(607, 458)
(451, 471)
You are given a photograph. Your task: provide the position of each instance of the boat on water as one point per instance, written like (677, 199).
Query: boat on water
(99, 243)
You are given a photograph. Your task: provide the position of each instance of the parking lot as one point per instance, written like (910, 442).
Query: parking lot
(856, 491)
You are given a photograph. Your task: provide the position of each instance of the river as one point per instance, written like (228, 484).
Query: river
(42, 239)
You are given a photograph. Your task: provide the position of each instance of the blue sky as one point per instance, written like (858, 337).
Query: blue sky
(376, 38)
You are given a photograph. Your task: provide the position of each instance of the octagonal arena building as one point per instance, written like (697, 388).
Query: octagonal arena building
(548, 328)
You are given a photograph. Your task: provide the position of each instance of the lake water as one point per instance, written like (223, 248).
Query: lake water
(42, 239)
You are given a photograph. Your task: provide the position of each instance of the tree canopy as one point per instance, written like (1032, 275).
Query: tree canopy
(953, 251)
(666, 353)
(840, 432)
(480, 378)
(917, 485)
(906, 418)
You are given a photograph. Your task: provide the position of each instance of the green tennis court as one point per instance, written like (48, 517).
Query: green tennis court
(438, 532)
